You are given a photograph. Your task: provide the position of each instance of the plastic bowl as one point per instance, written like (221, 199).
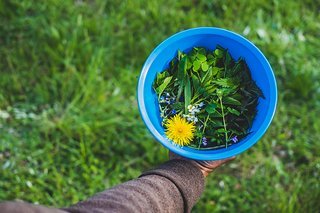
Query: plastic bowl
(209, 38)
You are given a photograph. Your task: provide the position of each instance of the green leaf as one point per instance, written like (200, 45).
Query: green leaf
(256, 90)
(196, 65)
(180, 90)
(218, 53)
(231, 101)
(215, 70)
(210, 56)
(195, 81)
(236, 69)
(224, 92)
(210, 89)
(210, 108)
(187, 94)
(189, 63)
(216, 123)
(228, 59)
(233, 111)
(182, 69)
(216, 114)
(211, 62)
(221, 130)
(160, 77)
(207, 78)
(180, 55)
(224, 82)
(201, 57)
(211, 59)
(163, 86)
(178, 106)
(202, 51)
(204, 66)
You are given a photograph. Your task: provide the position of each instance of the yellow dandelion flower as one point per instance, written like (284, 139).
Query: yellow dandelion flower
(179, 130)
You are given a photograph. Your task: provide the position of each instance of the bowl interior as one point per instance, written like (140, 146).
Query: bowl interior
(209, 38)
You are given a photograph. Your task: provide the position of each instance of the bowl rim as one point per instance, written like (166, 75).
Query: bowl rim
(216, 31)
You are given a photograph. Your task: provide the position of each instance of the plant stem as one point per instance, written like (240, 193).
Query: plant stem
(204, 127)
(224, 122)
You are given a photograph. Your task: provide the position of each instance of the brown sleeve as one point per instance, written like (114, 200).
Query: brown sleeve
(22, 207)
(175, 186)
(172, 187)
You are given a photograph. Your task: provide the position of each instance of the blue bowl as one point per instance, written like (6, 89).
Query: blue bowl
(209, 38)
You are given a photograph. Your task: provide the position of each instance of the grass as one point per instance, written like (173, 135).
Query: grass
(69, 122)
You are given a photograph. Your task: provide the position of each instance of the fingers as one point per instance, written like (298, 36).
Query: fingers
(214, 164)
(206, 167)
(220, 162)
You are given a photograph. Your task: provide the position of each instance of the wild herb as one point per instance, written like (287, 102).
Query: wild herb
(208, 97)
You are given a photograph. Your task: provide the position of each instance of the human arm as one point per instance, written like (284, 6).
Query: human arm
(174, 186)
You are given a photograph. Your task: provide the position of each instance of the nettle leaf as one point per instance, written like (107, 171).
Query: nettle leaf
(196, 65)
(204, 66)
(163, 86)
(210, 108)
(224, 82)
(223, 92)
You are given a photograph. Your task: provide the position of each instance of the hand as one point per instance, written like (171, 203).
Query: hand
(206, 167)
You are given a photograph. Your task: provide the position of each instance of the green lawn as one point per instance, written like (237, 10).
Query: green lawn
(69, 122)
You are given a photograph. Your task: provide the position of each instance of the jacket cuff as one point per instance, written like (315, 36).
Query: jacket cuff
(186, 176)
